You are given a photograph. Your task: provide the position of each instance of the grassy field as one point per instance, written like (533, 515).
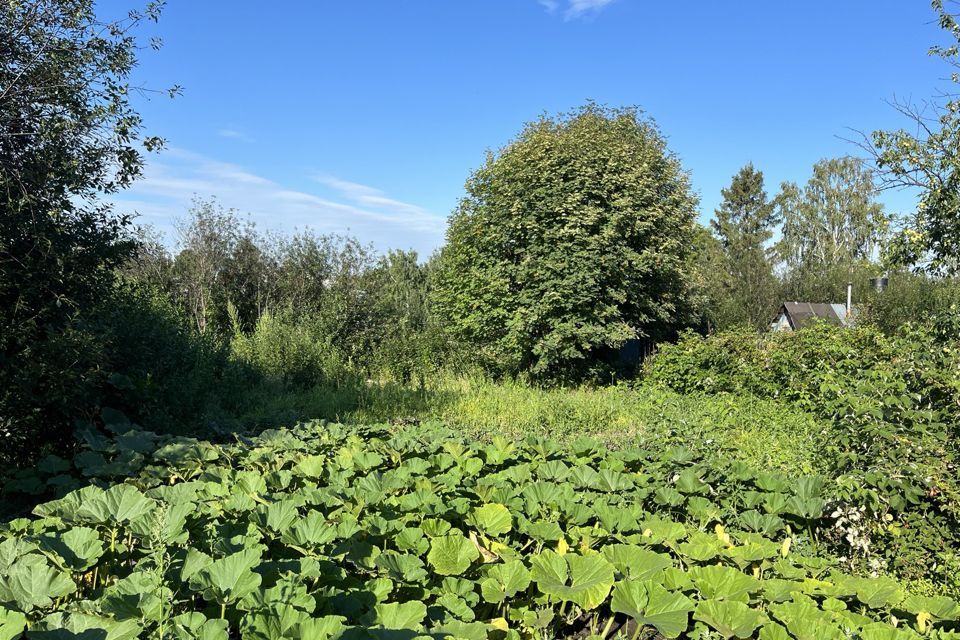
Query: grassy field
(764, 433)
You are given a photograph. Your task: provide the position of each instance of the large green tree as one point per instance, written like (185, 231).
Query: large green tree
(926, 157)
(68, 134)
(744, 223)
(570, 241)
(835, 220)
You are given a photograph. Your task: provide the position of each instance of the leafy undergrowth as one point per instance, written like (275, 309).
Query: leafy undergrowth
(763, 432)
(325, 531)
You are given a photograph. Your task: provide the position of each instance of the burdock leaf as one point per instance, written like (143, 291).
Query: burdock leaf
(650, 604)
(228, 579)
(31, 583)
(505, 581)
(80, 547)
(396, 615)
(451, 555)
(12, 624)
(492, 519)
(729, 618)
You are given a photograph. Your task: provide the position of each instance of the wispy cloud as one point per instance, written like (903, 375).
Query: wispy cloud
(171, 181)
(574, 8)
(234, 134)
(370, 197)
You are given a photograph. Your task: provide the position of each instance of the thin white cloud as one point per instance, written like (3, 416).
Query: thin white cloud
(173, 179)
(233, 133)
(574, 8)
(369, 197)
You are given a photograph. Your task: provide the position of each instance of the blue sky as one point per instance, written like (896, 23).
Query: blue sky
(368, 116)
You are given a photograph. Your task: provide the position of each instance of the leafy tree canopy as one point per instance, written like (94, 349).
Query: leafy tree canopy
(927, 157)
(834, 220)
(68, 133)
(744, 224)
(571, 240)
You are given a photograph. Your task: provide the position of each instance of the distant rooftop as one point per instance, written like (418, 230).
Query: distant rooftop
(794, 315)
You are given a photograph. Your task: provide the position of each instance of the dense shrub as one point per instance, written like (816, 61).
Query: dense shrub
(162, 372)
(892, 405)
(292, 353)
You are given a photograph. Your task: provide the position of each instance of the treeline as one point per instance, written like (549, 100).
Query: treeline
(577, 239)
(304, 308)
(806, 244)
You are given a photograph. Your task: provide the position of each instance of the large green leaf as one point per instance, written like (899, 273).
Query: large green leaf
(118, 504)
(876, 593)
(275, 622)
(79, 547)
(70, 626)
(492, 519)
(636, 562)
(724, 583)
(278, 516)
(451, 555)
(195, 626)
(402, 566)
(12, 624)
(729, 618)
(773, 631)
(505, 581)
(319, 628)
(193, 562)
(139, 595)
(228, 579)
(165, 525)
(590, 577)
(937, 607)
(69, 506)
(311, 531)
(701, 547)
(311, 466)
(806, 622)
(663, 531)
(651, 605)
(396, 615)
(31, 583)
(11, 549)
(881, 631)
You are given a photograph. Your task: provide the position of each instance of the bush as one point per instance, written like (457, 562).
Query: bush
(292, 352)
(165, 375)
(891, 404)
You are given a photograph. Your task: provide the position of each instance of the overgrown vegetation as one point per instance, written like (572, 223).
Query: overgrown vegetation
(572, 240)
(323, 531)
(68, 134)
(249, 435)
(892, 406)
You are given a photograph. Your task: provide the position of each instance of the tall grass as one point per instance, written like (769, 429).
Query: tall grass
(764, 433)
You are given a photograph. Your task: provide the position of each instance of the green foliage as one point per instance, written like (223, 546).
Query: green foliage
(571, 240)
(395, 543)
(835, 220)
(294, 354)
(301, 310)
(744, 223)
(915, 298)
(68, 134)
(163, 373)
(889, 406)
(924, 157)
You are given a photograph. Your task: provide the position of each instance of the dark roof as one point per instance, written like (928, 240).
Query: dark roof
(800, 314)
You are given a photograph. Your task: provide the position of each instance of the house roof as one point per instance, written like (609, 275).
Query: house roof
(800, 314)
